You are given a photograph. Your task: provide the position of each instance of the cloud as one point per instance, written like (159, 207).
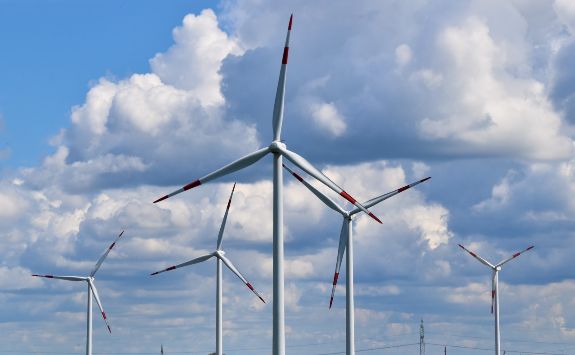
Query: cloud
(193, 62)
(492, 104)
(378, 95)
(148, 128)
(327, 117)
(17, 278)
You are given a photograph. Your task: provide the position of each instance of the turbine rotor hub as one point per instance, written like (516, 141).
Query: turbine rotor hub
(277, 147)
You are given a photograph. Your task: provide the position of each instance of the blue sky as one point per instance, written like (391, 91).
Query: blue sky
(106, 106)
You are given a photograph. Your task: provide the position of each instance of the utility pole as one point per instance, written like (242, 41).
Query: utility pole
(421, 339)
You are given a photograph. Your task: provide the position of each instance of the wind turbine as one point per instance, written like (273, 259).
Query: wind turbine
(220, 257)
(92, 291)
(346, 241)
(279, 150)
(495, 289)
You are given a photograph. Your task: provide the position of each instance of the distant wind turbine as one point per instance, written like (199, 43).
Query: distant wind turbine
(495, 288)
(92, 291)
(219, 254)
(279, 150)
(346, 241)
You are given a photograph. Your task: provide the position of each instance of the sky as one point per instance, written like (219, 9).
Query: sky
(107, 105)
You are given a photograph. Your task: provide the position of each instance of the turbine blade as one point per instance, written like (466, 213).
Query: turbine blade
(514, 256)
(376, 200)
(191, 262)
(67, 278)
(343, 237)
(221, 233)
(325, 199)
(238, 274)
(311, 170)
(103, 257)
(280, 91)
(228, 169)
(481, 260)
(97, 298)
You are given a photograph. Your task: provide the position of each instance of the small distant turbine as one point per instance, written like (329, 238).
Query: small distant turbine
(92, 291)
(495, 288)
(346, 241)
(219, 254)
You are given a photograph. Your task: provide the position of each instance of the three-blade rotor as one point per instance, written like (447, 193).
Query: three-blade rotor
(344, 234)
(90, 279)
(218, 253)
(495, 268)
(276, 147)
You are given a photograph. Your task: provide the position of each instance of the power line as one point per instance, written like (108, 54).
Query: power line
(372, 349)
(491, 349)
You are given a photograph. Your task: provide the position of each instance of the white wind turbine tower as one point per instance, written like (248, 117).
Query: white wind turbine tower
(279, 150)
(220, 257)
(495, 289)
(92, 291)
(346, 241)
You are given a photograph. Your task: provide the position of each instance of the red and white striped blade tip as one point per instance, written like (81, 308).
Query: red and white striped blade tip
(290, 22)
(168, 269)
(350, 198)
(191, 185)
(48, 276)
(330, 302)
(254, 291)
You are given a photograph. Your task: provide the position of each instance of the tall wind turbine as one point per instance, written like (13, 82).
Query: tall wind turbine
(220, 257)
(346, 241)
(279, 150)
(92, 291)
(495, 288)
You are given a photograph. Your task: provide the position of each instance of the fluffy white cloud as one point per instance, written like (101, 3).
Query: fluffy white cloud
(473, 76)
(492, 104)
(565, 10)
(193, 62)
(149, 127)
(327, 117)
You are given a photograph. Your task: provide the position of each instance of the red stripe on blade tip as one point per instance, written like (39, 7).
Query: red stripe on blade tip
(171, 268)
(111, 246)
(348, 197)
(104, 315)
(290, 22)
(285, 55)
(192, 184)
(335, 277)
(297, 176)
(250, 286)
(375, 217)
(516, 255)
(401, 189)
